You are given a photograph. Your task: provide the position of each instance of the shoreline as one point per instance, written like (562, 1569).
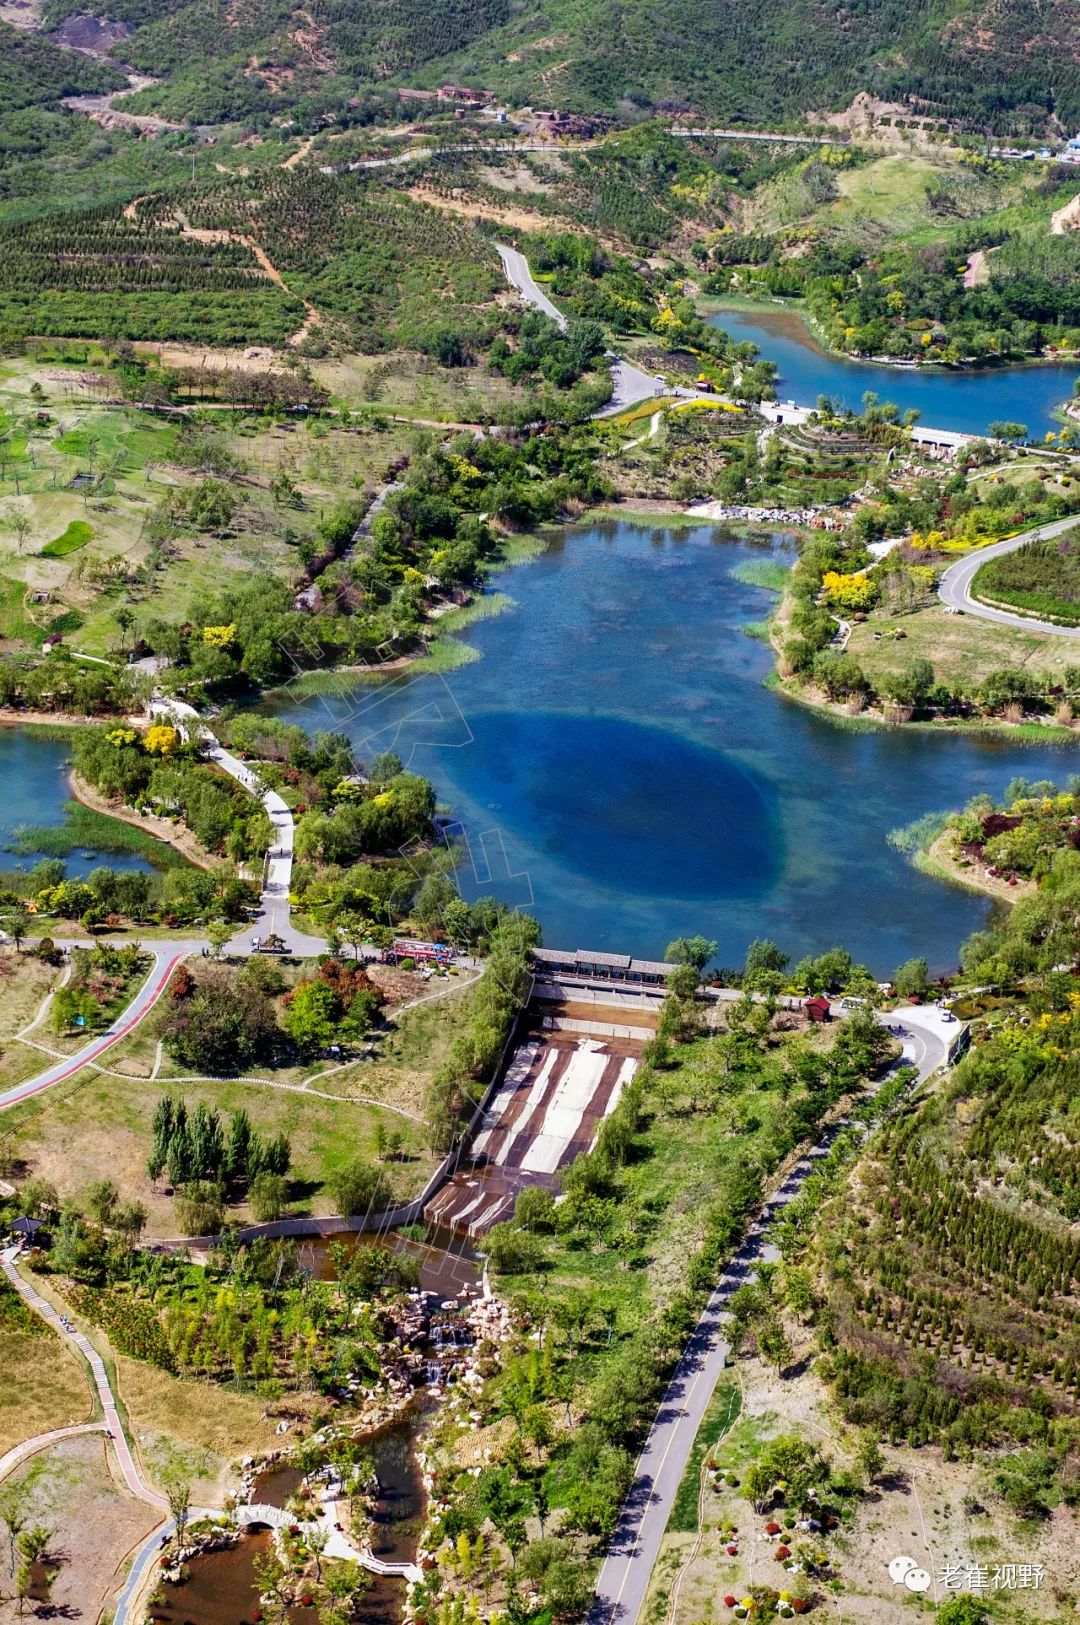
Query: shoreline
(936, 859)
(716, 304)
(1029, 733)
(159, 829)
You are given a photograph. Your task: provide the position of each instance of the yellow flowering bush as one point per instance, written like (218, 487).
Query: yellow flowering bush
(161, 740)
(849, 591)
(219, 637)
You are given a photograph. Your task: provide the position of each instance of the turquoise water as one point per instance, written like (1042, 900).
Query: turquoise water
(33, 772)
(967, 402)
(619, 769)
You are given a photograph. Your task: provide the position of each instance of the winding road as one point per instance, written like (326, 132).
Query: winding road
(624, 1577)
(629, 383)
(954, 588)
(274, 916)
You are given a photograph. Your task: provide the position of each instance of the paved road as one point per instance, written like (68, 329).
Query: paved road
(954, 588)
(629, 383)
(635, 1545)
(517, 271)
(166, 958)
(275, 914)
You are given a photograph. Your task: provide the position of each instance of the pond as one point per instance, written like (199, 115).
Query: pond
(221, 1588)
(619, 769)
(964, 401)
(33, 771)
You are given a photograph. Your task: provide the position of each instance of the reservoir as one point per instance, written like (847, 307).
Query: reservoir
(616, 766)
(966, 401)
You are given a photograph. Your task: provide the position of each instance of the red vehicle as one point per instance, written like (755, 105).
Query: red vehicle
(421, 953)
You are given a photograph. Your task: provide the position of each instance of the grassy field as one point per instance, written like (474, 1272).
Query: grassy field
(24, 983)
(961, 648)
(98, 1124)
(51, 1392)
(414, 1045)
(190, 1429)
(86, 485)
(898, 197)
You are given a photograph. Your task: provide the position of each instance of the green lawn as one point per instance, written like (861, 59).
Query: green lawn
(77, 534)
(721, 1413)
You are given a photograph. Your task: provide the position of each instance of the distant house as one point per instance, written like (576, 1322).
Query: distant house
(818, 1008)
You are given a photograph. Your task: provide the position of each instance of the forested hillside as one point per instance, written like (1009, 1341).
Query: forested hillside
(1009, 64)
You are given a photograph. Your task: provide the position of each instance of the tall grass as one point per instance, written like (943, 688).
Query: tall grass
(85, 829)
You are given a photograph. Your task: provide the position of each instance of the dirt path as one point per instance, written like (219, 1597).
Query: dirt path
(505, 214)
(1066, 219)
(205, 234)
(300, 154)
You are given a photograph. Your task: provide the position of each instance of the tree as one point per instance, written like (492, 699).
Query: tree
(13, 1514)
(199, 1210)
(912, 979)
(38, 1198)
(512, 1251)
(911, 686)
(683, 981)
(869, 1457)
(102, 1197)
(20, 524)
(178, 1495)
(962, 1610)
(763, 956)
(773, 1344)
(312, 1017)
(16, 925)
(358, 1188)
(1006, 429)
(267, 1195)
(226, 1026)
(695, 951)
(218, 933)
(129, 1218)
(535, 1208)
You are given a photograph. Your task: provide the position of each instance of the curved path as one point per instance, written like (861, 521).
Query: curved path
(630, 384)
(42, 1441)
(166, 959)
(954, 588)
(103, 1388)
(624, 1577)
(274, 916)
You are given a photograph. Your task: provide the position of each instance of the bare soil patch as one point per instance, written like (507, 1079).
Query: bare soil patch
(71, 1489)
(922, 1506)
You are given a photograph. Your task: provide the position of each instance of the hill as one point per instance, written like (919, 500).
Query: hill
(1008, 64)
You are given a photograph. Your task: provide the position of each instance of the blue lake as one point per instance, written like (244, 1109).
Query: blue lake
(967, 402)
(619, 769)
(33, 772)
